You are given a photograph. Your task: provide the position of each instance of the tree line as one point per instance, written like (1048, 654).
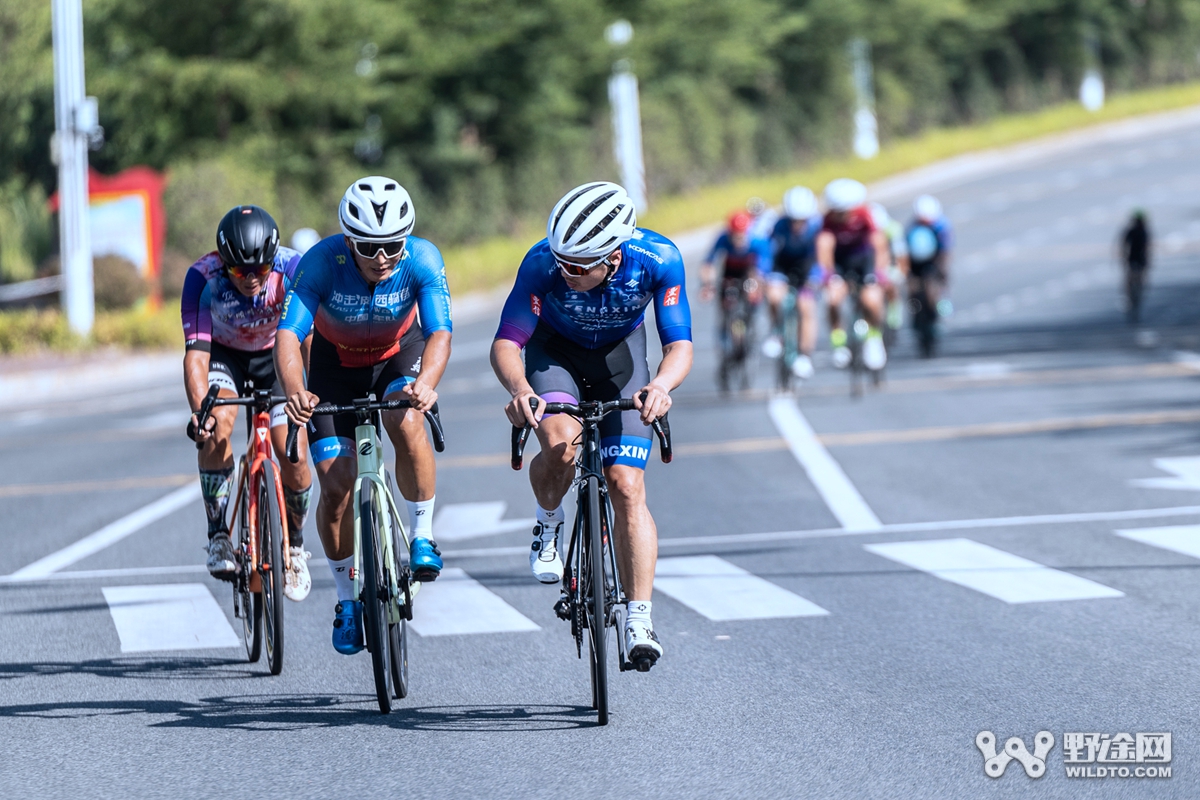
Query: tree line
(488, 109)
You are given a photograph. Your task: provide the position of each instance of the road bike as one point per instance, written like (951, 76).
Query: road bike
(737, 332)
(382, 579)
(261, 529)
(856, 336)
(592, 599)
(789, 321)
(924, 313)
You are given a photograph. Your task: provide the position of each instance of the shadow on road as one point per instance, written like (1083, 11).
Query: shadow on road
(300, 712)
(144, 668)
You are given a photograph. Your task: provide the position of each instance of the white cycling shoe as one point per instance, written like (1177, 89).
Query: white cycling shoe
(874, 355)
(772, 347)
(297, 583)
(544, 561)
(841, 357)
(802, 367)
(641, 645)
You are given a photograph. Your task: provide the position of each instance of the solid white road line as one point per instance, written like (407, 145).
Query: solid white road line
(457, 521)
(1183, 539)
(826, 475)
(723, 591)
(993, 572)
(457, 604)
(173, 616)
(1186, 473)
(110, 534)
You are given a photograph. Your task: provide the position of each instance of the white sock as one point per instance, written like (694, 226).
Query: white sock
(638, 610)
(341, 578)
(420, 517)
(555, 517)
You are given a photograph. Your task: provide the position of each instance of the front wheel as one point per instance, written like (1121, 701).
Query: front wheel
(597, 618)
(270, 554)
(248, 604)
(375, 594)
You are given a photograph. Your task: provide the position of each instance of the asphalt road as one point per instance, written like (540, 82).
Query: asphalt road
(941, 555)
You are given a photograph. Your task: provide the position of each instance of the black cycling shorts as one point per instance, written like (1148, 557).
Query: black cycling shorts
(242, 370)
(858, 268)
(562, 371)
(332, 436)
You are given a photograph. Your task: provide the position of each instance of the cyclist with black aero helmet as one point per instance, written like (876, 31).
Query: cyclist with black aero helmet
(853, 252)
(577, 309)
(358, 294)
(231, 304)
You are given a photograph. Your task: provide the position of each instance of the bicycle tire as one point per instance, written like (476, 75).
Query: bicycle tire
(398, 658)
(270, 551)
(597, 618)
(250, 602)
(375, 600)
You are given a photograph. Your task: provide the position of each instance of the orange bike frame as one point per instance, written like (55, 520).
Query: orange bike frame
(258, 450)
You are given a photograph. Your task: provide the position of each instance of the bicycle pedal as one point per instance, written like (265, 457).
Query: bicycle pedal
(644, 663)
(426, 575)
(562, 609)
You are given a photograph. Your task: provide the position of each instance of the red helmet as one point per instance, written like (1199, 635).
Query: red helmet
(740, 222)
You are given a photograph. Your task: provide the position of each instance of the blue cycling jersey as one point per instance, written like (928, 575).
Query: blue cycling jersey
(362, 321)
(651, 271)
(739, 261)
(923, 247)
(792, 248)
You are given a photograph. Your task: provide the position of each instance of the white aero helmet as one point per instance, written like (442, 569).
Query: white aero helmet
(376, 209)
(927, 208)
(845, 194)
(799, 202)
(591, 221)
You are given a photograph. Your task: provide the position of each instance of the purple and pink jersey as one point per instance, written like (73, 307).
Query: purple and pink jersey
(215, 311)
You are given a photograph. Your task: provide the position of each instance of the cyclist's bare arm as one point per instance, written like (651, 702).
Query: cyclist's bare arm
(510, 371)
(675, 366)
(825, 245)
(195, 381)
(433, 365)
(883, 254)
(289, 366)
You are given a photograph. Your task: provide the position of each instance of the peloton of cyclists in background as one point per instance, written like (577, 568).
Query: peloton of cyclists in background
(930, 239)
(853, 254)
(1135, 257)
(793, 266)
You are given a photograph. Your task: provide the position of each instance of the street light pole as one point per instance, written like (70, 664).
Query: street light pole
(74, 120)
(627, 118)
(866, 128)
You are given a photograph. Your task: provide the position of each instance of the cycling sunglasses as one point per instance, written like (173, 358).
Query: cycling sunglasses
(371, 249)
(243, 271)
(579, 270)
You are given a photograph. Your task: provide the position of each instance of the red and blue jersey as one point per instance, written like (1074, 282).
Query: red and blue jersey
(364, 322)
(651, 271)
(740, 262)
(214, 310)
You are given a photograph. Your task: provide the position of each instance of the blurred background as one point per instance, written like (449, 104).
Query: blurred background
(487, 111)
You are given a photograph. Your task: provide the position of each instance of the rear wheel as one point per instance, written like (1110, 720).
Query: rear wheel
(597, 629)
(270, 554)
(375, 595)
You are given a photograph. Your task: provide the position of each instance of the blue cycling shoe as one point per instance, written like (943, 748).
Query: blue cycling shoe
(347, 627)
(425, 559)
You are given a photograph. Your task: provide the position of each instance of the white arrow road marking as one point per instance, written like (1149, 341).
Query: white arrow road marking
(110, 534)
(993, 572)
(457, 521)
(1186, 471)
(173, 616)
(1178, 538)
(826, 474)
(457, 604)
(723, 591)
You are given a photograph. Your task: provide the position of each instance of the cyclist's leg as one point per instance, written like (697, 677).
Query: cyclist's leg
(777, 287)
(550, 368)
(806, 308)
(226, 369)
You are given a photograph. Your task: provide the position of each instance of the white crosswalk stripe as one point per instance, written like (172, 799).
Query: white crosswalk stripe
(723, 591)
(993, 572)
(1183, 539)
(458, 604)
(172, 616)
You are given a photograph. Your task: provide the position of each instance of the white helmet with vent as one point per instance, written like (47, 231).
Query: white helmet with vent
(845, 194)
(376, 209)
(591, 221)
(799, 202)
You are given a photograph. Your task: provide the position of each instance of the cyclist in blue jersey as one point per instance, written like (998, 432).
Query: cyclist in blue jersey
(577, 309)
(793, 264)
(361, 292)
(929, 238)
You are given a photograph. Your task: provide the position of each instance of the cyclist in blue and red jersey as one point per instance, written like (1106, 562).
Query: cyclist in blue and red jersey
(794, 264)
(578, 309)
(232, 300)
(743, 257)
(853, 253)
(362, 292)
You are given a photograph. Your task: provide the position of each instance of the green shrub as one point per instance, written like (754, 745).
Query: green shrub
(117, 283)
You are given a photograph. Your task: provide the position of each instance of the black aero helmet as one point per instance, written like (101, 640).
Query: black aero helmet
(247, 236)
